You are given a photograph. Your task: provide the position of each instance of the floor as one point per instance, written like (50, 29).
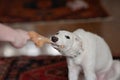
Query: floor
(109, 29)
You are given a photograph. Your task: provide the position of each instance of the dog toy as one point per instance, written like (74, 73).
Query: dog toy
(38, 39)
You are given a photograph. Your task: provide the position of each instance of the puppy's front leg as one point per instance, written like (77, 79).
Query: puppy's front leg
(74, 71)
(89, 69)
(90, 75)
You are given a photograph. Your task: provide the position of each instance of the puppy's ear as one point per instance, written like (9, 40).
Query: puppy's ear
(77, 39)
(79, 42)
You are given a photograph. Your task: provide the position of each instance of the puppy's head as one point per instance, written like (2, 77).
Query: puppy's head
(63, 40)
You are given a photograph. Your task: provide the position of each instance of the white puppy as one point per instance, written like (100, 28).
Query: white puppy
(86, 52)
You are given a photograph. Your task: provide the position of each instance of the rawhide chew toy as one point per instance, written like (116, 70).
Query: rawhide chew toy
(38, 39)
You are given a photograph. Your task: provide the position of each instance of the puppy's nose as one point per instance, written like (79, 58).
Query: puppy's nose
(54, 39)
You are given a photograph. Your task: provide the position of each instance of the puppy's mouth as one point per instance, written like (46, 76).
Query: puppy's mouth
(56, 46)
(54, 43)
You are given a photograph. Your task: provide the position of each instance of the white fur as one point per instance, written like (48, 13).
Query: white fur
(95, 59)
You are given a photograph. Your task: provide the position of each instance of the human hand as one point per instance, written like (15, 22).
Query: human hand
(20, 39)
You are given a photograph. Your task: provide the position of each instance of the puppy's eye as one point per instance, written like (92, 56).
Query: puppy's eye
(67, 37)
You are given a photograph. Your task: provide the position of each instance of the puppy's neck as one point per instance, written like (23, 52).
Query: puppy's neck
(72, 52)
(75, 49)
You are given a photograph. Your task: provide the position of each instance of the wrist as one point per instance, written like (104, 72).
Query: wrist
(13, 37)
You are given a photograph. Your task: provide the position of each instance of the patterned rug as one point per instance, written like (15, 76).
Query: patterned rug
(33, 68)
(47, 10)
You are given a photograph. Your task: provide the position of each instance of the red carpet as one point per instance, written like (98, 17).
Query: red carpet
(37, 68)
(47, 10)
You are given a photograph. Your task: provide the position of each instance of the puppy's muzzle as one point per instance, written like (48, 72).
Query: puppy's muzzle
(54, 39)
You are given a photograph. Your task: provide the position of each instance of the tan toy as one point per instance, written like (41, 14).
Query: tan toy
(38, 39)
